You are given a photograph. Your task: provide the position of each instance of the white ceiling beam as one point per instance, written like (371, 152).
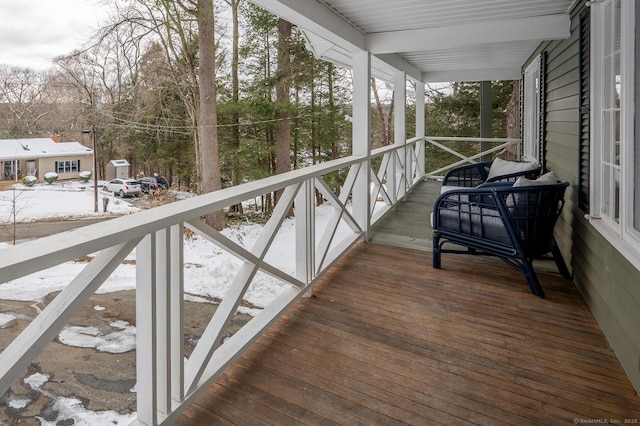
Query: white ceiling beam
(485, 74)
(323, 28)
(550, 27)
(312, 16)
(396, 62)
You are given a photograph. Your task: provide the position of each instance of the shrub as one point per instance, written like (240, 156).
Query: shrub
(51, 177)
(29, 180)
(85, 176)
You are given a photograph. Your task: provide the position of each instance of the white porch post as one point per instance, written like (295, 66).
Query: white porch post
(160, 323)
(361, 135)
(305, 234)
(420, 126)
(402, 162)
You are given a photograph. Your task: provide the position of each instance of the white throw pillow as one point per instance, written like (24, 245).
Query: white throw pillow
(501, 167)
(545, 179)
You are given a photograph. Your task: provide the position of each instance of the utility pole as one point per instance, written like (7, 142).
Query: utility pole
(95, 166)
(93, 131)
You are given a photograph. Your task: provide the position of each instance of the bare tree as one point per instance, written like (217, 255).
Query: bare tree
(22, 94)
(15, 206)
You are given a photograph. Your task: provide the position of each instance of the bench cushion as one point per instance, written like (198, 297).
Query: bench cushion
(501, 167)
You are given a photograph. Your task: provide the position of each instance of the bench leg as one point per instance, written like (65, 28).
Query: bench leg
(532, 278)
(560, 263)
(436, 253)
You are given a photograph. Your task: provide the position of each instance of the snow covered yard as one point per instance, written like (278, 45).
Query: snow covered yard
(60, 200)
(103, 333)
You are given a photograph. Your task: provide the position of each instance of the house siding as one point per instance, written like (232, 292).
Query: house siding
(49, 165)
(608, 282)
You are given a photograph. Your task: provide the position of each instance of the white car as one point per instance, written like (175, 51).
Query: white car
(123, 187)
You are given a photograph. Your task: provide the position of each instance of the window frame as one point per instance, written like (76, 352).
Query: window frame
(621, 232)
(67, 166)
(534, 106)
(531, 132)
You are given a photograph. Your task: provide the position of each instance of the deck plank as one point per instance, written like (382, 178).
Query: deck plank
(387, 339)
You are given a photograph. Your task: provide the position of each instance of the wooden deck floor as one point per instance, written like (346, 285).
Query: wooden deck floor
(389, 340)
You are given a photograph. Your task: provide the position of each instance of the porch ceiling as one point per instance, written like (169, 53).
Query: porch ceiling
(432, 40)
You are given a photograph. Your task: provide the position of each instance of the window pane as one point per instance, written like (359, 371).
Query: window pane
(607, 29)
(607, 86)
(606, 137)
(606, 193)
(616, 158)
(616, 39)
(616, 194)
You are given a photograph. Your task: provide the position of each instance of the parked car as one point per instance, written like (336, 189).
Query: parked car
(123, 187)
(148, 185)
(162, 182)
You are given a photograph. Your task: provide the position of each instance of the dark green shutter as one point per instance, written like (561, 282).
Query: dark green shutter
(543, 109)
(521, 129)
(584, 115)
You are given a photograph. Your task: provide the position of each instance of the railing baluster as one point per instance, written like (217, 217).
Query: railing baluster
(146, 338)
(176, 291)
(163, 325)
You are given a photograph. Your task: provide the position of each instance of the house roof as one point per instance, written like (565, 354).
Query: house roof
(22, 149)
(431, 40)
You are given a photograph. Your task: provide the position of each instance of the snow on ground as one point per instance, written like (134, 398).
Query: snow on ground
(60, 200)
(6, 320)
(209, 270)
(72, 408)
(123, 340)
(208, 273)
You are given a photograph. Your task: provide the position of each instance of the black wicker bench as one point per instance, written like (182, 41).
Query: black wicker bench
(514, 223)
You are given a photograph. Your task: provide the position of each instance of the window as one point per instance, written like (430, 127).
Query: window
(534, 119)
(67, 166)
(614, 176)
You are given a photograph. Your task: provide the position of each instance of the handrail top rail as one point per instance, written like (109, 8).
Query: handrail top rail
(471, 139)
(88, 239)
(54, 249)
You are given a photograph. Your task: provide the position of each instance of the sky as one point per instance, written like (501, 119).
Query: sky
(209, 272)
(33, 32)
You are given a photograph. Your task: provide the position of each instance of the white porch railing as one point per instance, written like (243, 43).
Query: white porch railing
(497, 145)
(166, 384)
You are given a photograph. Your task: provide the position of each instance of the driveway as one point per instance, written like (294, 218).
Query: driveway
(31, 230)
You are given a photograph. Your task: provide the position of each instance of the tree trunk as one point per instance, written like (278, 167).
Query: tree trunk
(208, 122)
(386, 120)
(513, 120)
(235, 98)
(283, 101)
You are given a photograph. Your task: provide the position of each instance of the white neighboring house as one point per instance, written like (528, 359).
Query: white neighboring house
(37, 156)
